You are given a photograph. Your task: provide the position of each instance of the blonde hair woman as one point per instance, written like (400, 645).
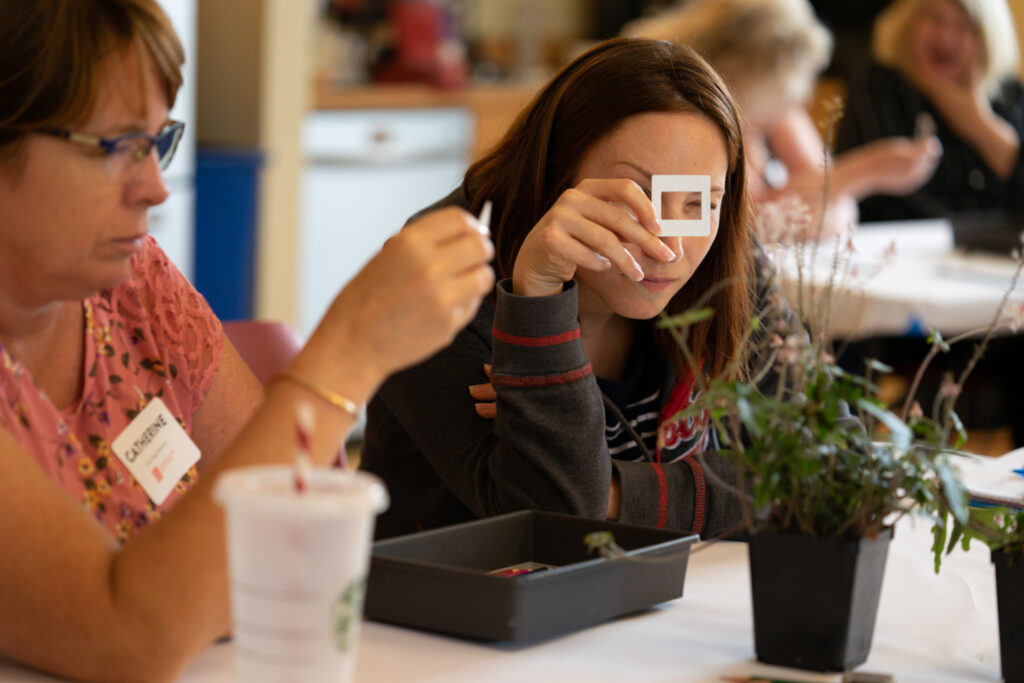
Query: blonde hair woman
(770, 52)
(950, 65)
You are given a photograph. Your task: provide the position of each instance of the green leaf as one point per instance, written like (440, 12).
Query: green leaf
(878, 366)
(935, 339)
(938, 543)
(954, 490)
(686, 318)
(961, 431)
(900, 432)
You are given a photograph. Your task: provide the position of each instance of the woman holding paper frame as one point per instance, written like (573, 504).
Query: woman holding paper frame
(108, 571)
(578, 411)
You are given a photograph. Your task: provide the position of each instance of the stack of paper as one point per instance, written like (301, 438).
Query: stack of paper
(994, 481)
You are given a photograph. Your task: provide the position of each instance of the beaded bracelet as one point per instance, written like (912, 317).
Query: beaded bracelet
(334, 398)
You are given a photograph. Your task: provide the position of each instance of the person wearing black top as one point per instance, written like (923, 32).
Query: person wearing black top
(943, 67)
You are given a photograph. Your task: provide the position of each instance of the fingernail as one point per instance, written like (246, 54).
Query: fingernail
(639, 273)
(605, 263)
(668, 254)
(485, 215)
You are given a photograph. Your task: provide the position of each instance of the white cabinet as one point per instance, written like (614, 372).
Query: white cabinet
(368, 171)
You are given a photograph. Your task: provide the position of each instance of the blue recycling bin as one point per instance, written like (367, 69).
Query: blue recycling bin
(227, 200)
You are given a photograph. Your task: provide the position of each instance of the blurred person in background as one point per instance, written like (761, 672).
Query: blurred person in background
(947, 68)
(103, 576)
(770, 52)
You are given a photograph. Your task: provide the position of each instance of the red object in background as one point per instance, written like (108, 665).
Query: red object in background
(426, 47)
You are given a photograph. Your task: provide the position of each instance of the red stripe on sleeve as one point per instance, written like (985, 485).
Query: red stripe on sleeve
(700, 488)
(662, 495)
(542, 380)
(552, 340)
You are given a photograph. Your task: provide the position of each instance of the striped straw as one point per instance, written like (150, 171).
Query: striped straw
(304, 425)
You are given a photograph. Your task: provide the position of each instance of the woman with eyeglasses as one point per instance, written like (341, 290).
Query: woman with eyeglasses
(104, 576)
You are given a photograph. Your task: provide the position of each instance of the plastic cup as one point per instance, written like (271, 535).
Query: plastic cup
(298, 564)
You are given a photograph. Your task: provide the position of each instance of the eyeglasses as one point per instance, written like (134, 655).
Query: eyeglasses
(125, 151)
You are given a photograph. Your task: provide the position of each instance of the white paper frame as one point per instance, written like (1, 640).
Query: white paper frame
(697, 227)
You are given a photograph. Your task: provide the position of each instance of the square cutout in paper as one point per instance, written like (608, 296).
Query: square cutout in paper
(687, 184)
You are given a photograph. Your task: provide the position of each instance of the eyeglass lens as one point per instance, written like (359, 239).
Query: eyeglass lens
(133, 149)
(167, 143)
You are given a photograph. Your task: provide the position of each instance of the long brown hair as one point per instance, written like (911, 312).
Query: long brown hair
(537, 160)
(52, 53)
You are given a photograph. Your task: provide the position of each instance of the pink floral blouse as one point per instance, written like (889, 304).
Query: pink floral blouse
(154, 335)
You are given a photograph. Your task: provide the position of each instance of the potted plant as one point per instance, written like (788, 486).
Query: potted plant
(1002, 530)
(823, 490)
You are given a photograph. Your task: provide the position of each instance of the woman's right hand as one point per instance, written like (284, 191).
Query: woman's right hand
(411, 299)
(587, 227)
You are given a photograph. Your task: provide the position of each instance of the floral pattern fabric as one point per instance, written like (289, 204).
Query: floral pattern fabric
(154, 335)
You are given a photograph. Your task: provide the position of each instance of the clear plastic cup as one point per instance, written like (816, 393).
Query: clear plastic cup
(298, 564)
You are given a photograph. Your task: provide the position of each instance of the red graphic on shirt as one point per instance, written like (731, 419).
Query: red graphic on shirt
(157, 474)
(689, 432)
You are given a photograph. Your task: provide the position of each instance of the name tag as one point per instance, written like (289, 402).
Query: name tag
(156, 450)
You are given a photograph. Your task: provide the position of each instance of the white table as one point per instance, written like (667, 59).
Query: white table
(930, 629)
(926, 284)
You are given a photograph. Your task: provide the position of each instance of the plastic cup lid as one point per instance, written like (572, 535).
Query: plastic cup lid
(271, 489)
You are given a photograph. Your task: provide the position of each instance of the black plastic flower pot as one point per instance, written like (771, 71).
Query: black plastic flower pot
(1010, 605)
(815, 599)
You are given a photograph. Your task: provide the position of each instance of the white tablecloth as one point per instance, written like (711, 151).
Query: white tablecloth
(930, 629)
(924, 284)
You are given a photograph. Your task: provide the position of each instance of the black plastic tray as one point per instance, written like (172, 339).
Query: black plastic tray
(438, 580)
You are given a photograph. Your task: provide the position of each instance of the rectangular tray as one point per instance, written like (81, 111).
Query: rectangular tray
(438, 581)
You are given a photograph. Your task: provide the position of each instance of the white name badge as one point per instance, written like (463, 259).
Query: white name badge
(156, 450)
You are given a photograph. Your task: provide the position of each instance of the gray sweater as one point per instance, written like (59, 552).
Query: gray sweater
(546, 448)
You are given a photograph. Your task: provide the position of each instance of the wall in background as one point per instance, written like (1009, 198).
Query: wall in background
(254, 91)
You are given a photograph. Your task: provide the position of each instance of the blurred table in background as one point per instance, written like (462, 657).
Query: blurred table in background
(903, 278)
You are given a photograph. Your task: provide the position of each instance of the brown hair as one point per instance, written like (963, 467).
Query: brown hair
(538, 157)
(52, 53)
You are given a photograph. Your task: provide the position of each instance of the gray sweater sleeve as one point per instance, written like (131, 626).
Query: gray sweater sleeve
(546, 448)
(550, 407)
